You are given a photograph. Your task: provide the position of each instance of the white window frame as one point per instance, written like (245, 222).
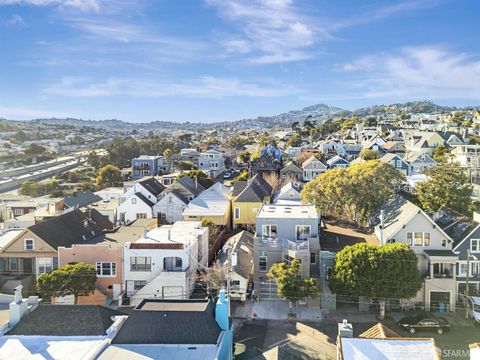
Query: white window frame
(236, 216)
(25, 244)
(17, 212)
(462, 272)
(113, 268)
(268, 234)
(477, 241)
(409, 241)
(44, 265)
(134, 200)
(296, 231)
(262, 255)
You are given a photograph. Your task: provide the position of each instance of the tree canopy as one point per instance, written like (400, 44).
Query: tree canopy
(441, 153)
(354, 193)
(447, 186)
(108, 176)
(71, 279)
(290, 284)
(367, 154)
(376, 271)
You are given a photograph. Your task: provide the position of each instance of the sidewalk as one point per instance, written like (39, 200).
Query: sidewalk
(274, 310)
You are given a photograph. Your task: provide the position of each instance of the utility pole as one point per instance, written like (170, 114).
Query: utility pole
(466, 284)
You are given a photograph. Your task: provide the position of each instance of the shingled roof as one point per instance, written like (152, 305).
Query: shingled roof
(255, 191)
(74, 227)
(81, 199)
(170, 322)
(66, 320)
(153, 186)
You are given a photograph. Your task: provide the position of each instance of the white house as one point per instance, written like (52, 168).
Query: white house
(289, 194)
(212, 161)
(312, 167)
(163, 263)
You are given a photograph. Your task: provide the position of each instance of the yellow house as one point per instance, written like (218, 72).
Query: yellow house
(213, 203)
(248, 197)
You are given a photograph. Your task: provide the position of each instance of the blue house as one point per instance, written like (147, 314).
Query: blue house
(271, 151)
(337, 161)
(397, 162)
(376, 147)
(469, 246)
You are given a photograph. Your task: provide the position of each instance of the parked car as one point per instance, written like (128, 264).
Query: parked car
(472, 304)
(424, 321)
(227, 175)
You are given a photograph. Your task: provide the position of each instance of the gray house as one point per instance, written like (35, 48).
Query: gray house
(470, 242)
(285, 233)
(146, 165)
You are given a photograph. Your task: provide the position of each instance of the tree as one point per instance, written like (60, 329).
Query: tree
(213, 230)
(198, 175)
(273, 180)
(290, 285)
(244, 157)
(35, 150)
(376, 271)
(186, 165)
(295, 140)
(122, 151)
(215, 277)
(94, 160)
(354, 193)
(242, 177)
(71, 279)
(441, 153)
(367, 154)
(447, 186)
(108, 176)
(349, 123)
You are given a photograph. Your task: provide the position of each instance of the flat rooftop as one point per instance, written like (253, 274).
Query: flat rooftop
(151, 305)
(183, 232)
(124, 234)
(285, 211)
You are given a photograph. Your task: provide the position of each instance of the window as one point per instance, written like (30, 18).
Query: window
(462, 269)
(44, 265)
(13, 264)
(303, 232)
(106, 269)
(170, 199)
(313, 258)
(444, 242)
(426, 239)
(474, 268)
(141, 215)
(134, 200)
(17, 212)
(235, 285)
(409, 238)
(475, 245)
(418, 239)
(237, 213)
(140, 263)
(269, 231)
(172, 264)
(29, 245)
(262, 261)
(138, 284)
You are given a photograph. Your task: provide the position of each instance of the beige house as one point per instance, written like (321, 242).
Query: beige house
(404, 222)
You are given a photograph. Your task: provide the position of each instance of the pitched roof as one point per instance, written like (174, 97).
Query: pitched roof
(238, 187)
(242, 245)
(310, 160)
(73, 227)
(170, 322)
(81, 199)
(189, 184)
(336, 159)
(290, 166)
(144, 199)
(66, 320)
(214, 201)
(379, 331)
(398, 211)
(255, 191)
(152, 185)
(389, 157)
(270, 164)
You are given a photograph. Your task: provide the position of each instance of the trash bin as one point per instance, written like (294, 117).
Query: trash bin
(442, 307)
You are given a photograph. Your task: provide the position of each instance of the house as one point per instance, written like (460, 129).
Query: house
(265, 165)
(380, 342)
(419, 163)
(403, 222)
(213, 203)
(293, 151)
(397, 162)
(285, 233)
(291, 171)
(337, 161)
(111, 193)
(39, 331)
(312, 167)
(239, 248)
(174, 200)
(467, 156)
(147, 165)
(395, 147)
(163, 263)
(35, 250)
(418, 142)
(212, 161)
(371, 145)
(468, 248)
(272, 152)
(80, 199)
(137, 202)
(289, 194)
(174, 329)
(247, 198)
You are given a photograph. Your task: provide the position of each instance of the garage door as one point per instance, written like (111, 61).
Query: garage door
(172, 292)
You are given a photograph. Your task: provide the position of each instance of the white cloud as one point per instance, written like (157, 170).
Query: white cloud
(203, 87)
(15, 20)
(21, 113)
(429, 72)
(270, 31)
(83, 5)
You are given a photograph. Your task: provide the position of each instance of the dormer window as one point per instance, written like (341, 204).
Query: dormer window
(28, 245)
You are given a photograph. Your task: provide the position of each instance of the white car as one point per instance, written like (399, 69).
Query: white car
(473, 308)
(227, 175)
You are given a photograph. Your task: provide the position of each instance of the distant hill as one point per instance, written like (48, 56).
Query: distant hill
(413, 107)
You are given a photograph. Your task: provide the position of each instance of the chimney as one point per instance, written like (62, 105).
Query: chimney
(382, 225)
(18, 308)
(221, 311)
(345, 329)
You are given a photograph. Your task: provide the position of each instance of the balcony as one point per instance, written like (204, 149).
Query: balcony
(285, 244)
(141, 167)
(298, 246)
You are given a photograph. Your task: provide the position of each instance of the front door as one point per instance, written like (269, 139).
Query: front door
(27, 267)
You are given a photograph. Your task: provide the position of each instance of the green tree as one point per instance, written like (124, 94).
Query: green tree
(198, 175)
(186, 165)
(108, 176)
(93, 159)
(290, 284)
(349, 123)
(213, 230)
(122, 151)
(242, 177)
(447, 186)
(35, 150)
(441, 153)
(367, 154)
(71, 279)
(354, 193)
(374, 271)
(295, 140)
(244, 157)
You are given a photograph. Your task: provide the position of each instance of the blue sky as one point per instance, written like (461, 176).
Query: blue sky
(212, 60)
